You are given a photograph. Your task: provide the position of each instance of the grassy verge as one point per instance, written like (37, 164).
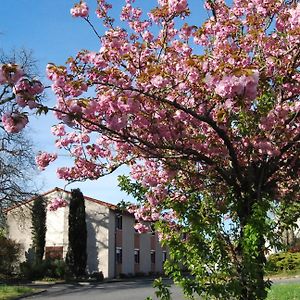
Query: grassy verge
(284, 273)
(285, 291)
(10, 292)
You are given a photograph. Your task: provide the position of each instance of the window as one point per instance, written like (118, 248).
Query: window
(152, 256)
(164, 256)
(119, 221)
(152, 229)
(54, 252)
(136, 256)
(118, 255)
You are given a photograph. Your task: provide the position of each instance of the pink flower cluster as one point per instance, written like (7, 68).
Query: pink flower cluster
(26, 91)
(294, 19)
(10, 73)
(245, 85)
(57, 203)
(80, 10)
(43, 159)
(58, 130)
(141, 228)
(14, 122)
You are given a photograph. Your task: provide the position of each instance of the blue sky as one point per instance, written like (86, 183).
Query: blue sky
(47, 28)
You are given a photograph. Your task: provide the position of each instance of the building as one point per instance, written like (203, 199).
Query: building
(113, 245)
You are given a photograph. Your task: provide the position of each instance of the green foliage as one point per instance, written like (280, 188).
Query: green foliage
(9, 255)
(38, 218)
(76, 257)
(213, 252)
(43, 269)
(131, 188)
(284, 261)
(163, 291)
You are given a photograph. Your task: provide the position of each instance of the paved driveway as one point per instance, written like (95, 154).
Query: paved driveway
(125, 290)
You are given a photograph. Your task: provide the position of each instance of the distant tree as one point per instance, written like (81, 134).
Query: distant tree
(17, 165)
(77, 256)
(38, 215)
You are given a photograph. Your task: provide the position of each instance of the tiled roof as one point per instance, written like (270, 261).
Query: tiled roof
(56, 189)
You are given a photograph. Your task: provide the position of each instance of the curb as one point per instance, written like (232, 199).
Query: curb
(30, 294)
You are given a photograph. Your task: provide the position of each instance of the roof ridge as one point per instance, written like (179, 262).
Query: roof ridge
(57, 189)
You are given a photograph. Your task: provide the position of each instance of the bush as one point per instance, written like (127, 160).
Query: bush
(46, 268)
(285, 261)
(9, 255)
(97, 276)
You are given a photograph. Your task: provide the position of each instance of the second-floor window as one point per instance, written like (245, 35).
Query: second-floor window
(119, 222)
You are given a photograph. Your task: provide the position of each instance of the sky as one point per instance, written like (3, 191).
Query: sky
(48, 29)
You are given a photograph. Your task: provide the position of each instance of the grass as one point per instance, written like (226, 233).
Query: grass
(11, 292)
(285, 291)
(284, 273)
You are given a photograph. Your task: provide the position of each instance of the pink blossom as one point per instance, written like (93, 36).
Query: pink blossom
(141, 228)
(80, 10)
(14, 122)
(158, 81)
(177, 6)
(58, 130)
(43, 159)
(231, 85)
(57, 203)
(295, 17)
(10, 73)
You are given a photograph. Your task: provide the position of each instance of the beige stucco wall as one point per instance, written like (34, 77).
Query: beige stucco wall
(128, 245)
(19, 229)
(101, 237)
(112, 244)
(145, 247)
(56, 222)
(97, 220)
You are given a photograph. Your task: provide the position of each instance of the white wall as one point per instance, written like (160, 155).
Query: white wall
(128, 244)
(19, 229)
(145, 247)
(97, 219)
(112, 244)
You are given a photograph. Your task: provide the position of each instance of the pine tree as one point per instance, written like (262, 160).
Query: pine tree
(38, 216)
(77, 256)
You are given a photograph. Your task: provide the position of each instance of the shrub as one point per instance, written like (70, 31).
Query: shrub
(46, 268)
(9, 255)
(97, 276)
(284, 261)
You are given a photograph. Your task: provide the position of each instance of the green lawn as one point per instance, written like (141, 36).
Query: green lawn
(285, 291)
(11, 292)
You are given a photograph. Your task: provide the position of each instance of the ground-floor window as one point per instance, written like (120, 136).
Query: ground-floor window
(152, 255)
(164, 256)
(54, 252)
(136, 256)
(118, 255)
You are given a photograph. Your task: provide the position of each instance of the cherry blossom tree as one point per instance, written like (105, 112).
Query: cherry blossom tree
(207, 118)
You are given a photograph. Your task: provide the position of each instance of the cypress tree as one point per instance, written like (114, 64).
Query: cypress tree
(76, 257)
(38, 218)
